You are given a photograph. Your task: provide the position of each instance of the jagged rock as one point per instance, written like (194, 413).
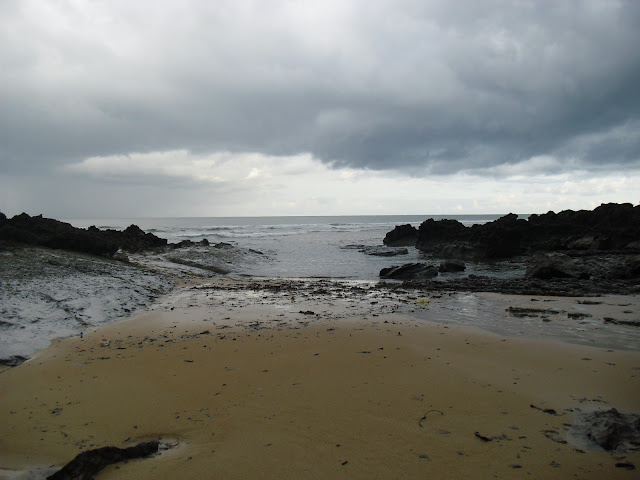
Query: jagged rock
(611, 429)
(410, 271)
(432, 233)
(89, 463)
(451, 266)
(47, 232)
(401, 236)
(610, 227)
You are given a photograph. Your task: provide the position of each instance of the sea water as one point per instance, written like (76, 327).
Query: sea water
(294, 246)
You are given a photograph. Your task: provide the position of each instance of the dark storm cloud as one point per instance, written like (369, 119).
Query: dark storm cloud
(422, 87)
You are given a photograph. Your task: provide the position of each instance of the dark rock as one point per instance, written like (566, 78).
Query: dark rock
(553, 265)
(378, 250)
(610, 227)
(183, 244)
(385, 251)
(13, 361)
(410, 271)
(576, 264)
(46, 232)
(432, 233)
(401, 236)
(452, 266)
(89, 463)
(521, 312)
(189, 243)
(611, 429)
(631, 323)
(562, 287)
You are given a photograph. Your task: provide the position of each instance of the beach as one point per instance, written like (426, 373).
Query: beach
(258, 379)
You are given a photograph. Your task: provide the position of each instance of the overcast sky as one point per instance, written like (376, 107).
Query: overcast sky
(197, 108)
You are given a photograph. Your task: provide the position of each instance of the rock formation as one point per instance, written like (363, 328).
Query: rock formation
(600, 244)
(608, 227)
(46, 232)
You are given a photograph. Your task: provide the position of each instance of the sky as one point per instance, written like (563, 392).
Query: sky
(154, 108)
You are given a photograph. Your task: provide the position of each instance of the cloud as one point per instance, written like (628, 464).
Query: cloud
(143, 92)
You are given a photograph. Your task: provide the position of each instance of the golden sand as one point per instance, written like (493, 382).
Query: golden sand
(359, 399)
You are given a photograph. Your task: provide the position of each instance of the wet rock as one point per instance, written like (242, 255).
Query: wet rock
(521, 312)
(89, 463)
(378, 250)
(554, 265)
(183, 244)
(451, 266)
(410, 271)
(13, 361)
(632, 323)
(189, 243)
(563, 287)
(401, 236)
(385, 251)
(611, 429)
(609, 266)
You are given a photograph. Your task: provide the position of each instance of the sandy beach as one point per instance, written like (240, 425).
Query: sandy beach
(264, 384)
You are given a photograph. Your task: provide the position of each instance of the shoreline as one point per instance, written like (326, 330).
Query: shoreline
(329, 384)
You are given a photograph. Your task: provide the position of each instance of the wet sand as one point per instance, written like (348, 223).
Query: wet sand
(312, 387)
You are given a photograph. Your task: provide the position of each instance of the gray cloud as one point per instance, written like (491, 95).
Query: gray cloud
(422, 87)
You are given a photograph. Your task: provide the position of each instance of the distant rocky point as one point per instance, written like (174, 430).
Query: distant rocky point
(46, 232)
(609, 227)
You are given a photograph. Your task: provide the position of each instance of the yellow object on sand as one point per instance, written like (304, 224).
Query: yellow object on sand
(423, 301)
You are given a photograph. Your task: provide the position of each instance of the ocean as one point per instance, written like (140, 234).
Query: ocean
(294, 246)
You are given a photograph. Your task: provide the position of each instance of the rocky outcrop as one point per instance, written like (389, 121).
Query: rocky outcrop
(401, 236)
(584, 265)
(609, 227)
(46, 232)
(410, 271)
